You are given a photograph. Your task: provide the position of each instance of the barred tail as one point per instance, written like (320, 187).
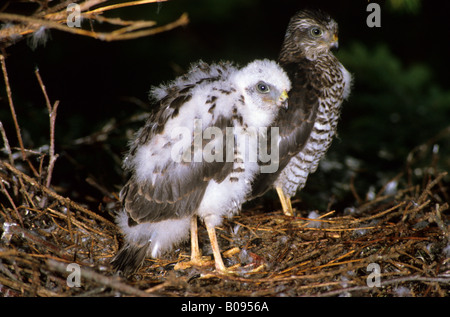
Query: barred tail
(130, 258)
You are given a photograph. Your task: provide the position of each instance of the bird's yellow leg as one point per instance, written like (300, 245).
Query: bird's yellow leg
(289, 205)
(196, 255)
(195, 249)
(220, 266)
(285, 202)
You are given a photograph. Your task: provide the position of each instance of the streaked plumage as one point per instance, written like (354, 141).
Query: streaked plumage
(172, 181)
(319, 85)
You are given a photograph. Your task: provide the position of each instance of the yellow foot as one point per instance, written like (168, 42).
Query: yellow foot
(225, 271)
(258, 269)
(229, 253)
(256, 266)
(203, 261)
(234, 270)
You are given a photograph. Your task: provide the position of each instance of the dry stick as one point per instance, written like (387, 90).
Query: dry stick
(411, 159)
(421, 200)
(90, 230)
(121, 5)
(183, 20)
(11, 106)
(353, 190)
(89, 274)
(20, 286)
(381, 213)
(69, 223)
(44, 91)
(48, 191)
(438, 218)
(6, 144)
(366, 206)
(52, 114)
(13, 113)
(429, 186)
(59, 11)
(31, 237)
(414, 278)
(11, 201)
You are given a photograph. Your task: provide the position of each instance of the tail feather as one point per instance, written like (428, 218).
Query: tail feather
(130, 258)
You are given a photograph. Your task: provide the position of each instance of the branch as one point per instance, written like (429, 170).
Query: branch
(108, 281)
(58, 20)
(52, 114)
(51, 193)
(414, 278)
(11, 106)
(6, 144)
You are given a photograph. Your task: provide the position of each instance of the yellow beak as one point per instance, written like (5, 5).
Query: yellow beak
(334, 42)
(283, 99)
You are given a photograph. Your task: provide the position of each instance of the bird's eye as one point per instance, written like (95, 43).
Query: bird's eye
(316, 32)
(263, 88)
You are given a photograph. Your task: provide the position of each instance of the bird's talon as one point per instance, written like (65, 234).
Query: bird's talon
(202, 262)
(229, 253)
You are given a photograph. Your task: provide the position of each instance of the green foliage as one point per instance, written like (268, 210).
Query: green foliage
(409, 6)
(393, 107)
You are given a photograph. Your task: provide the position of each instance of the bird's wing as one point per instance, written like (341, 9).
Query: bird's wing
(174, 189)
(295, 123)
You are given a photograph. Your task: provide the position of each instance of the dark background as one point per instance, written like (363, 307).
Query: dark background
(400, 98)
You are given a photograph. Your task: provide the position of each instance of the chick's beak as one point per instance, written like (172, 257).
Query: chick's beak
(283, 100)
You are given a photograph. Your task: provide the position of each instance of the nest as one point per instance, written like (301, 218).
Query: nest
(396, 244)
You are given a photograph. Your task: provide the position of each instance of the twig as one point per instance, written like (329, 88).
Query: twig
(378, 215)
(13, 113)
(89, 274)
(59, 11)
(353, 190)
(23, 286)
(52, 115)
(31, 237)
(53, 156)
(44, 90)
(181, 21)
(69, 223)
(6, 144)
(77, 223)
(11, 201)
(426, 192)
(122, 5)
(414, 278)
(51, 193)
(11, 106)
